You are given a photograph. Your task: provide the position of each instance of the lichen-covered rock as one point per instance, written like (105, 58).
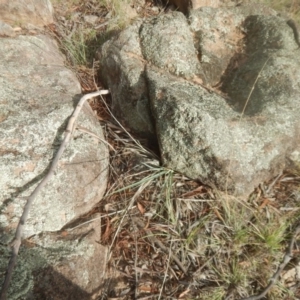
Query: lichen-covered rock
(233, 137)
(159, 47)
(122, 68)
(205, 139)
(270, 53)
(37, 96)
(58, 265)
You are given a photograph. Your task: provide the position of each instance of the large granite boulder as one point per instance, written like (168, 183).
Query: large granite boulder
(222, 87)
(37, 96)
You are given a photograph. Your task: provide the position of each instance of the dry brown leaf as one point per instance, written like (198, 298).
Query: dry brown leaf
(141, 208)
(107, 232)
(265, 203)
(245, 264)
(218, 214)
(199, 190)
(146, 289)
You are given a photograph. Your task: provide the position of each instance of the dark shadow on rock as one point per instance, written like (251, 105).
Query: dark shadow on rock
(239, 83)
(57, 287)
(34, 279)
(43, 282)
(50, 284)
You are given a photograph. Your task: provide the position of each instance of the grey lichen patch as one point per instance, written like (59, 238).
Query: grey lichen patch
(159, 46)
(23, 281)
(44, 250)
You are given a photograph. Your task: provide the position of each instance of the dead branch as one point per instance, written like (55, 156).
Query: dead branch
(20, 228)
(286, 259)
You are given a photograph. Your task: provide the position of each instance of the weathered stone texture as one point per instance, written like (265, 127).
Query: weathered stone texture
(223, 88)
(37, 96)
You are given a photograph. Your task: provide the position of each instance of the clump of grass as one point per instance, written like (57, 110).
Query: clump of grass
(271, 235)
(121, 13)
(77, 47)
(79, 39)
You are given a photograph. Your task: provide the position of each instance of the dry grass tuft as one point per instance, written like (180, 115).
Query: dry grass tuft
(174, 238)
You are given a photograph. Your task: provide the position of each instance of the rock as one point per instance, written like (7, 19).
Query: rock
(26, 12)
(179, 58)
(122, 68)
(270, 38)
(6, 30)
(38, 94)
(203, 132)
(204, 138)
(218, 40)
(58, 265)
(90, 19)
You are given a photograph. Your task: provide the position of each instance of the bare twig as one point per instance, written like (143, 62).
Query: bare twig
(20, 228)
(286, 259)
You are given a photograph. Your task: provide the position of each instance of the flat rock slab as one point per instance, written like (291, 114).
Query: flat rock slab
(162, 75)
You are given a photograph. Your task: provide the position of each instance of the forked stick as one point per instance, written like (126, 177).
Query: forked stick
(18, 236)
